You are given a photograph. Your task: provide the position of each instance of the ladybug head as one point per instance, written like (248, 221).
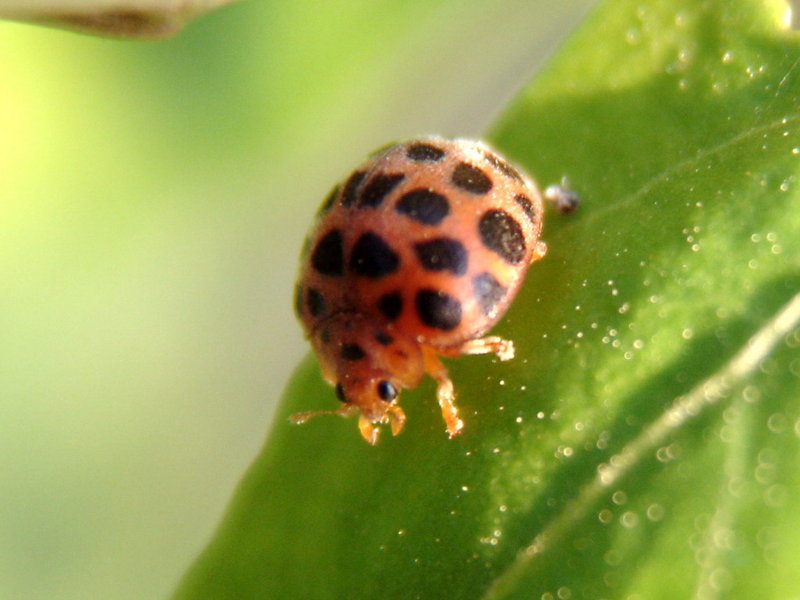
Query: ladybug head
(368, 367)
(375, 398)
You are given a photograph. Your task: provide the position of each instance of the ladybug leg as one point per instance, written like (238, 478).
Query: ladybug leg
(369, 431)
(488, 345)
(538, 251)
(445, 393)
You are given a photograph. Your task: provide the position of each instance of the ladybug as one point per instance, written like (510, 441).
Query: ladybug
(414, 256)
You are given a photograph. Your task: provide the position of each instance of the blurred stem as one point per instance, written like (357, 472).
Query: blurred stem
(137, 19)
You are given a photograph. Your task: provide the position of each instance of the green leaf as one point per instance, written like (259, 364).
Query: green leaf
(644, 442)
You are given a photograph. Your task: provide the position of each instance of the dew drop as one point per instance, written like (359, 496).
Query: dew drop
(612, 558)
(794, 367)
(720, 579)
(633, 36)
(655, 512)
(605, 516)
(764, 473)
(751, 394)
(776, 496)
(629, 519)
(777, 423)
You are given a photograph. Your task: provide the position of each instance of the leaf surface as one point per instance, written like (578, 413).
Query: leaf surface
(645, 439)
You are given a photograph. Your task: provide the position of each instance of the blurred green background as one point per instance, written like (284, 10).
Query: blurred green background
(153, 196)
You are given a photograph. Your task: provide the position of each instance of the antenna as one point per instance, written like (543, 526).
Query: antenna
(302, 417)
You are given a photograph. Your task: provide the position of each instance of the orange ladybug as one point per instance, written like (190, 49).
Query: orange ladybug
(415, 256)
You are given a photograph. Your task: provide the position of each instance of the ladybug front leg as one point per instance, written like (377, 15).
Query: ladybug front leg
(504, 349)
(539, 250)
(445, 393)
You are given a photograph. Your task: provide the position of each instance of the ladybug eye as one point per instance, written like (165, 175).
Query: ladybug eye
(340, 392)
(387, 391)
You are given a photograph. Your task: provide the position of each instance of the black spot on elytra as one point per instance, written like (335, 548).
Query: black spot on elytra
(352, 352)
(325, 335)
(383, 338)
(488, 291)
(328, 255)
(372, 257)
(438, 310)
(502, 166)
(329, 200)
(422, 152)
(527, 206)
(351, 186)
(391, 305)
(376, 190)
(500, 233)
(442, 254)
(424, 206)
(315, 302)
(471, 179)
